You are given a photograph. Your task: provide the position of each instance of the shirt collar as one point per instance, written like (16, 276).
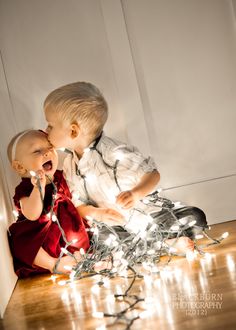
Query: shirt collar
(93, 145)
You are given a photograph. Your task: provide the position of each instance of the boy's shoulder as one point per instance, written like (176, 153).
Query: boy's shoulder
(108, 143)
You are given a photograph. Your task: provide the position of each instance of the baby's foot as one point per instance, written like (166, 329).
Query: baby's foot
(182, 244)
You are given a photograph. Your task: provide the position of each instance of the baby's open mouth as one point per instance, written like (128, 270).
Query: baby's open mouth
(47, 166)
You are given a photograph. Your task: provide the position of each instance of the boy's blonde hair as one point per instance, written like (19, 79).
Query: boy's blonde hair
(79, 102)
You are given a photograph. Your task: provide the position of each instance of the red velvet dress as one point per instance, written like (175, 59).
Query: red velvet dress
(26, 236)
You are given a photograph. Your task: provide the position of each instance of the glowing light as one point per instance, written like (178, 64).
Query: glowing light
(98, 315)
(208, 256)
(190, 255)
(145, 314)
(95, 289)
(53, 278)
(230, 263)
(183, 221)
(224, 235)
(174, 227)
(15, 213)
(153, 227)
(86, 150)
(75, 240)
(82, 252)
(89, 218)
(72, 275)
(177, 204)
(119, 155)
(62, 283)
(199, 236)
(90, 177)
(145, 201)
(68, 267)
(54, 218)
(75, 195)
(64, 251)
(32, 173)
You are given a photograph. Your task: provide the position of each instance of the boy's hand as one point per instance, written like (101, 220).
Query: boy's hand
(126, 199)
(40, 177)
(110, 216)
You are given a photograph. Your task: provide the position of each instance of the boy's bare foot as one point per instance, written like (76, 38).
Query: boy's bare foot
(182, 244)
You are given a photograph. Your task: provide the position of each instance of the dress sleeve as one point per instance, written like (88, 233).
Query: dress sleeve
(24, 189)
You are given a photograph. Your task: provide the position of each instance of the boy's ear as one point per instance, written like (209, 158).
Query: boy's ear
(18, 167)
(74, 130)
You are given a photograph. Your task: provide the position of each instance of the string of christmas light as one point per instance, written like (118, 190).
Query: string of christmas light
(134, 255)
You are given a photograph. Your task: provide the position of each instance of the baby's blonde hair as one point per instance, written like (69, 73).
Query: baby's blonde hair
(79, 102)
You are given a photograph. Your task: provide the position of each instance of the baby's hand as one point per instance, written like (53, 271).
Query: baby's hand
(110, 216)
(126, 199)
(39, 178)
(69, 262)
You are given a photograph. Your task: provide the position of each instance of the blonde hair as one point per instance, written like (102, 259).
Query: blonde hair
(79, 102)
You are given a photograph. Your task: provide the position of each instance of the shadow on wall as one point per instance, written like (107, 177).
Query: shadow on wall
(7, 276)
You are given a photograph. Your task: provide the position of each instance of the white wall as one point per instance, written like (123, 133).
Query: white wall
(184, 54)
(167, 69)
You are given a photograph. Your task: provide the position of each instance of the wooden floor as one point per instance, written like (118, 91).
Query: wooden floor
(199, 294)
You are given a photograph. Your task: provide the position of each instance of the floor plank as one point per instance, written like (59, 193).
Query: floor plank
(199, 294)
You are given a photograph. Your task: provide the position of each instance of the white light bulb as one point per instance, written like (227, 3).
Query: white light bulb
(119, 155)
(67, 267)
(75, 240)
(224, 235)
(54, 218)
(98, 315)
(208, 256)
(86, 150)
(15, 213)
(199, 236)
(64, 250)
(192, 223)
(89, 218)
(62, 282)
(75, 195)
(53, 278)
(90, 177)
(32, 173)
(190, 255)
(174, 227)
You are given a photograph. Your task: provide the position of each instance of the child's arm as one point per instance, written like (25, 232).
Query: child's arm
(32, 206)
(106, 215)
(44, 260)
(148, 182)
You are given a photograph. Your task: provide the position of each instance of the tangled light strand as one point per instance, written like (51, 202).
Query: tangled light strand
(136, 253)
